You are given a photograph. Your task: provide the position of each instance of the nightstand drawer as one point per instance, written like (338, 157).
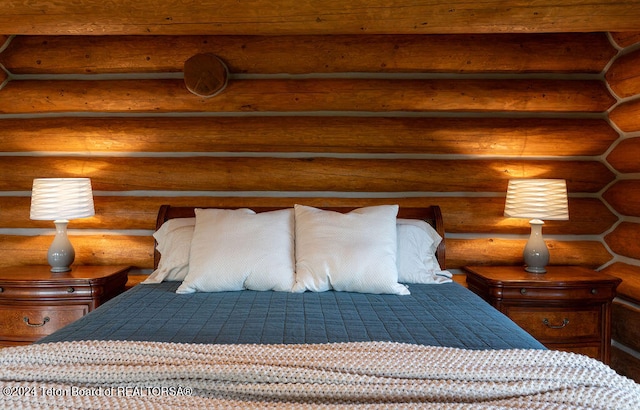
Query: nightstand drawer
(549, 324)
(29, 323)
(591, 293)
(42, 292)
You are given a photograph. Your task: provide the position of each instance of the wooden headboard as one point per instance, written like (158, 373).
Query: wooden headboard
(430, 214)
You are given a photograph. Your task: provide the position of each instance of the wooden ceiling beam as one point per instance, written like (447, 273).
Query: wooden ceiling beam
(269, 17)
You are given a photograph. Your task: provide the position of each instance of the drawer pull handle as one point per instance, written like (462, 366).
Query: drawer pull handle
(44, 322)
(565, 322)
(523, 291)
(1, 290)
(70, 289)
(594, 291)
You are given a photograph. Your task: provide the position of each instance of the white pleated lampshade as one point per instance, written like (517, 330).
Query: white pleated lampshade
(61, 199)
(544, 199)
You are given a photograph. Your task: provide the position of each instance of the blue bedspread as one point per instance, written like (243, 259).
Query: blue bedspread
(439, 315)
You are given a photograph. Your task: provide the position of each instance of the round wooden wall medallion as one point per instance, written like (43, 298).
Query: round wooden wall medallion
(205, 75)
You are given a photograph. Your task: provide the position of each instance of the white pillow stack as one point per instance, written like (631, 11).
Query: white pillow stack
(298, 249)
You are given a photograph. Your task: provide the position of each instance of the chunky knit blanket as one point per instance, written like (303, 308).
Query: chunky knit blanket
(109, 374)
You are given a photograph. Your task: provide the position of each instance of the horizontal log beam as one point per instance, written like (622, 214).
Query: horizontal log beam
(300, 95)
(625, 240)
(626, 38)
(625, 327)
(94, 17)
(624, 197)
(134, 251)
(626, 116)
(624, 75)
(629, 289)
(492, 53)
(588, 216)
(625, 364)
(463, 252)
(137, 251)
(311, 174)
(624, 157)
(468, 136)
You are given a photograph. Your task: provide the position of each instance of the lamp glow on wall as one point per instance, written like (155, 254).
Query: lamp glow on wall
(540, 199)
(58, 200)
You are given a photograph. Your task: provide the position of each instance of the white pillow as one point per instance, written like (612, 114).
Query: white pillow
(240, 249)
(174, 242)
(432, 237)
(354, 252)
(417, 244)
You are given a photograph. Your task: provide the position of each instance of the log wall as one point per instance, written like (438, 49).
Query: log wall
(623, 196)
(411, 101)
(623, 78)
(449, 117)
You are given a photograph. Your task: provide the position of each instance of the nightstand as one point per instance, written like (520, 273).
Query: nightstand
(568, 308)
(35, 302)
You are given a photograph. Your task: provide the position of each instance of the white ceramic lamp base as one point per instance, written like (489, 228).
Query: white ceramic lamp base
(536, 253)
(61, 253)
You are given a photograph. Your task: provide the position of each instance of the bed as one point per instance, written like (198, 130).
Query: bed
(199, 335)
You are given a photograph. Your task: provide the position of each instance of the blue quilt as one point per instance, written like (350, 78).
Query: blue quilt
(438, 315)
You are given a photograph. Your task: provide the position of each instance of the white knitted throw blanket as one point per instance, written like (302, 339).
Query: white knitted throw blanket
(110, 374)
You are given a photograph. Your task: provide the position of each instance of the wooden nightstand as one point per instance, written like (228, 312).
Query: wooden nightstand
(35, 302)
(568, 308)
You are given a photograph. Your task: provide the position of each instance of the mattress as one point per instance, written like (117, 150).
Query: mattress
(435, 315)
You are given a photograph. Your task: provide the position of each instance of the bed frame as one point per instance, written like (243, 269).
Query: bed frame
(430, 214)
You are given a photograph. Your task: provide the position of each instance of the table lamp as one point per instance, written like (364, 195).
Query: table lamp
(58, 200)
(540, 199)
